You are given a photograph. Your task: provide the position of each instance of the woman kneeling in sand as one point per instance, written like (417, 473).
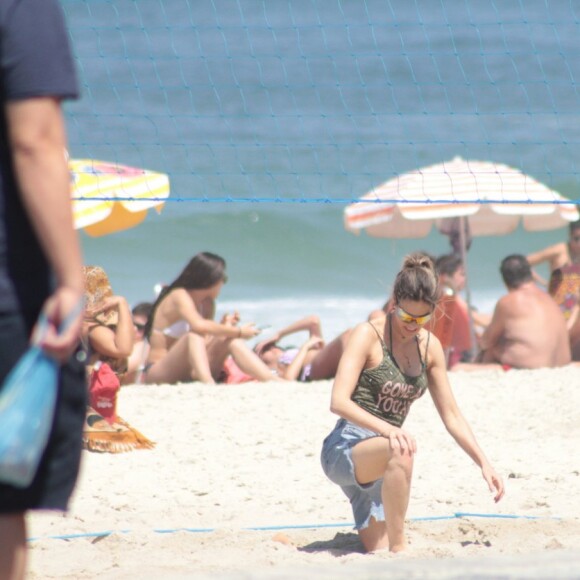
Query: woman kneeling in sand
(186, 344)
(388, 363)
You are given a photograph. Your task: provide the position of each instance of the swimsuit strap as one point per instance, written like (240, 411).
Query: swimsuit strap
(379, 335)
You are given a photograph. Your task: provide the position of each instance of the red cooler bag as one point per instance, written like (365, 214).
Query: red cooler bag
(103, 391)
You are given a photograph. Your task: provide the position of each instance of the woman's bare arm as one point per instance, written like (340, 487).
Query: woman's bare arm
(454, 421)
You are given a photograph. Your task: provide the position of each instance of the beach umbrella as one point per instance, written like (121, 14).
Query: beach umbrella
(108, 197)
(493, 198)
(481, 198)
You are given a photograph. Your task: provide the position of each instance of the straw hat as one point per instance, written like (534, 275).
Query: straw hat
(97, 289)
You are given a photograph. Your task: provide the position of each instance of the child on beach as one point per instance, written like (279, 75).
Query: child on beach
(186, 344)
(389, 363)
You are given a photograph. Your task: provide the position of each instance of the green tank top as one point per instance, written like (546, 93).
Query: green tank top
(385, 391)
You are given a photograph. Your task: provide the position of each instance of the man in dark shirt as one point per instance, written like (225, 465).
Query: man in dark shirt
(40, 258)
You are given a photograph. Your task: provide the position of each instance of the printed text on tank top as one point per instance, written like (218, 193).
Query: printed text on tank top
(385, 391)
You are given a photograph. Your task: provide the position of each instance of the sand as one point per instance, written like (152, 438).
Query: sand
(234, 488)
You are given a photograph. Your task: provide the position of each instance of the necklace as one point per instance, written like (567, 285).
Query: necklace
(407, 367)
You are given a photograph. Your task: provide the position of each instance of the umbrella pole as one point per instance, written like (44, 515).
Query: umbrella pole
(472, 336)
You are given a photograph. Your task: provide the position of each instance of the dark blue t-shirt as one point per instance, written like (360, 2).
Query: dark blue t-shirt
(35, 61)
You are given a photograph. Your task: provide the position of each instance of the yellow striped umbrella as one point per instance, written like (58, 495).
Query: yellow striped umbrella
(108, 197)
(493, 197)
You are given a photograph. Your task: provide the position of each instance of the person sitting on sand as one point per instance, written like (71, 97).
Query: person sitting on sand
(527, 329)
(107, 330)
(452, 281)
(564, 284)
(388, 363)
(564, 262)
(186, 344)
(312, 361)
(107, 335)
(559, 255)
(138, 357)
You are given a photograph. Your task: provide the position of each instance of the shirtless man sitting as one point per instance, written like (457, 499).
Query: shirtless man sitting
(527, 330)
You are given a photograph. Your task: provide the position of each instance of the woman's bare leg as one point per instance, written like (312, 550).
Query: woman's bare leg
(250, 362)
(186, 360)
(325, 363)
(374, 459)
(374, 537)
(218, 349)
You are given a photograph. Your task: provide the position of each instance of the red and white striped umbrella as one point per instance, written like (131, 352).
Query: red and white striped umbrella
(493, 197)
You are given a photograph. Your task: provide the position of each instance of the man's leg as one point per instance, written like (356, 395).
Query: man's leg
(12, 547)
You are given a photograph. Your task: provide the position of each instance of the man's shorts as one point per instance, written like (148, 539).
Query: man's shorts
(59, 467)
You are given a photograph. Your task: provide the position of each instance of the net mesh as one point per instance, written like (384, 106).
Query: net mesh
(307, 101)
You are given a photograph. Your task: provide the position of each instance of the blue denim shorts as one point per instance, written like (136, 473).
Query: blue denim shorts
(336, 459)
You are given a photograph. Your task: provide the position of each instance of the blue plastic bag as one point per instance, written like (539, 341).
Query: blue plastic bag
(27, 403)
(26, 413)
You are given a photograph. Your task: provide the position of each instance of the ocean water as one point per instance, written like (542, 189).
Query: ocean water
(285, 263)
(270, 117)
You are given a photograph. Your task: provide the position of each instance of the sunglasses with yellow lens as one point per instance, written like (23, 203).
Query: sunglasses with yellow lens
(405, 317)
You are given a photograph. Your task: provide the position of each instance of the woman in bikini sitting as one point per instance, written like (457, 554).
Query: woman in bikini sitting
(312, 361)
(186, 344)
(107, 330)
(107, 335)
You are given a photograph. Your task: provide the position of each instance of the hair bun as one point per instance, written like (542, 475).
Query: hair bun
(419, 260)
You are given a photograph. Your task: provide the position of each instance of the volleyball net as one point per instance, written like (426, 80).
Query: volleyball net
(310, 101)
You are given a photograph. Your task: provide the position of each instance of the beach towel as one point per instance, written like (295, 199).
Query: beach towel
(232, 374)
(101, 436)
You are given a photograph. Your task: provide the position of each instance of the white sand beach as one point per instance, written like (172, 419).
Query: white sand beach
(234, 488)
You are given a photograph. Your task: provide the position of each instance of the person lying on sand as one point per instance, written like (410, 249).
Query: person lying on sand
(312, 361)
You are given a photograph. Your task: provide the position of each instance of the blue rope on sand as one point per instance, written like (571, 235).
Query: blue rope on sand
(456, 515)
(504, 516)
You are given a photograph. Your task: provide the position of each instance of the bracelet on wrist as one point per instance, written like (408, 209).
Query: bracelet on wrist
(240, 332)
